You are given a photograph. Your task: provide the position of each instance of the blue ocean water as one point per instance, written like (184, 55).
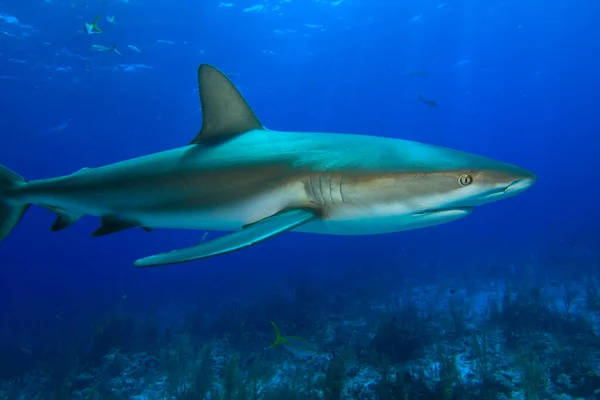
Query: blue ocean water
(501, 304)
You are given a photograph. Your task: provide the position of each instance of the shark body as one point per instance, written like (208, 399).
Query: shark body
(238, 176)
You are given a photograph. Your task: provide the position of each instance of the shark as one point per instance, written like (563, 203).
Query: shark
(239, 177)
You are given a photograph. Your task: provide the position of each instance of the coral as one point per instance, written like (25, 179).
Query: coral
(402, 333)
(592, 295)
(117, 330)
(389, 386)
(232, 381)
(483, 362)
(538, 343)
(334, 379)
(534, 377)
(448, 376)
(456, 310)
(178, 365)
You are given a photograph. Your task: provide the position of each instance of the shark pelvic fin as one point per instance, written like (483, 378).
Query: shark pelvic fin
(113, 225)
(225, 112)
(63, 218)
(248, 236)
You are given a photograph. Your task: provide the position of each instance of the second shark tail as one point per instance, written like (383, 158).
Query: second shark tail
(11, 210)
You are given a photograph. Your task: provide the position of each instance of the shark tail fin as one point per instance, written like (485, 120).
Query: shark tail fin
(11, 210)
(278, 338)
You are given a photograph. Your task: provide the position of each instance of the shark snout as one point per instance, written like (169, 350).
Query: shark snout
(521, 183)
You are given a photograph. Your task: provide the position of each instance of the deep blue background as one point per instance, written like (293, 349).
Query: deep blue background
(529, 96)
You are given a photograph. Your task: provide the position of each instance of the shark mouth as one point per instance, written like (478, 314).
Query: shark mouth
(440, 211)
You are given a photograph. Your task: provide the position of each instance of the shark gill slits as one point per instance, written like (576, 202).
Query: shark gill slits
(324, 189)
(465, 180)
(315, 193)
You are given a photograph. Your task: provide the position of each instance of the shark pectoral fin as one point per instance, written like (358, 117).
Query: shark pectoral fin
(248, 236)
(225, 112)
(113, 225)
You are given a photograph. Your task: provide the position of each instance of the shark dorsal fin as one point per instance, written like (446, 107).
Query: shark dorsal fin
(225, 112)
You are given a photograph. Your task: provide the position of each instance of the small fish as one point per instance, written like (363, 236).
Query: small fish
(111, 19)
(417, 73)
(9, 19)
(124, 297)
(297, 345)
(93, 28)
(58, 317)
(60, 127)
(451, 290)
(80, 4)
(100, 47)
(430, 103)
(134, 48)
(164, 41)
(204, 236)
(462, 62)
(26, 350)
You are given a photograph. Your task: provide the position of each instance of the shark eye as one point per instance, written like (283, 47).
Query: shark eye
(465, 180)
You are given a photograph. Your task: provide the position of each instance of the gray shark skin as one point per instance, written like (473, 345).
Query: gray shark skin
(236, 175)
